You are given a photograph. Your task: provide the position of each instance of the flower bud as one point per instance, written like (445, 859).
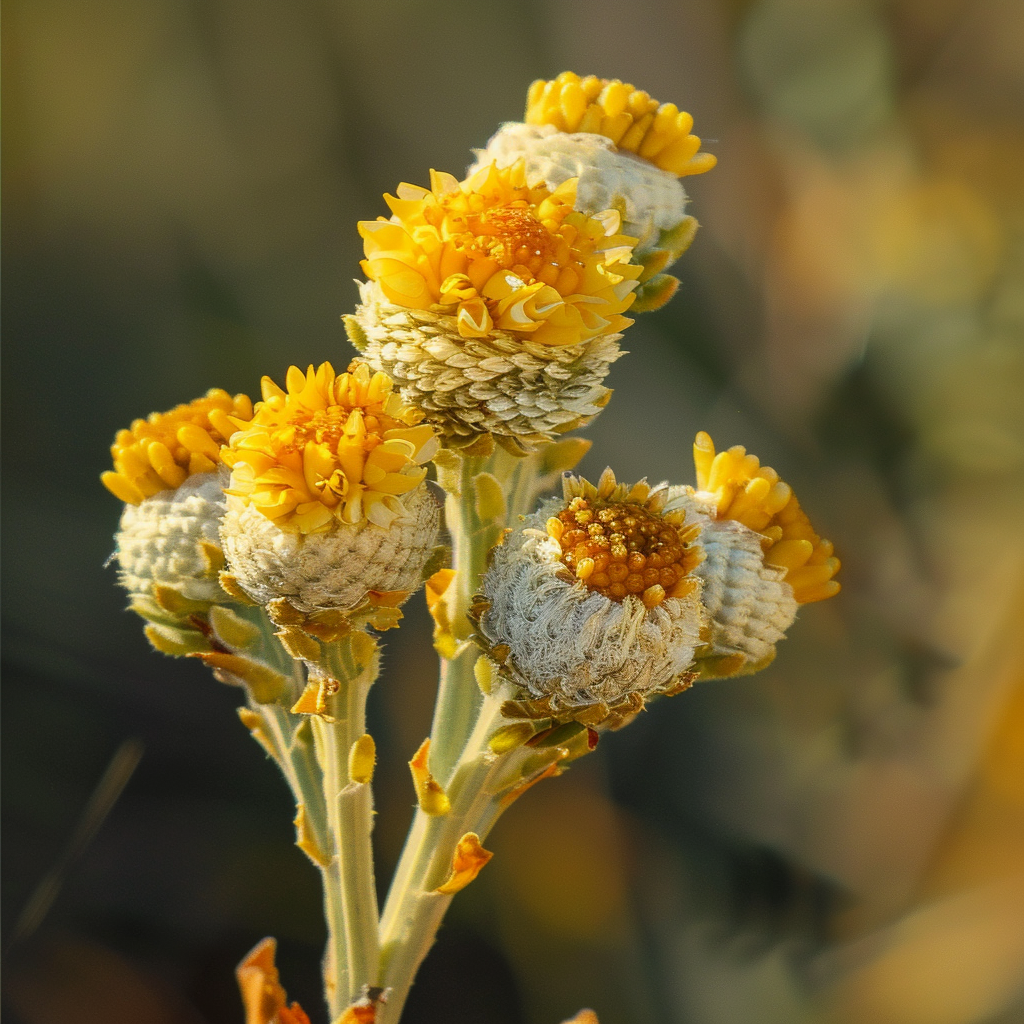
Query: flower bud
(627, 152)
(592, 604)
(494, 305)
(327, 505)
(763, 557)
(168, 471)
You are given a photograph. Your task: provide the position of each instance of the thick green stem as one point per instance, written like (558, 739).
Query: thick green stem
(463, 721)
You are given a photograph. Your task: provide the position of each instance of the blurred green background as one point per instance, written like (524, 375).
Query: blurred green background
(839, 839)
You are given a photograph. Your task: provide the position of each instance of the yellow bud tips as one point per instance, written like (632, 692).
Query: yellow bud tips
(499, 255)
(331, 448)
(467, 861)
(632, 120)
(160, 452)
(743, 490)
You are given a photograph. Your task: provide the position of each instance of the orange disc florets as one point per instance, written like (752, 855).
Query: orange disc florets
(624, 548)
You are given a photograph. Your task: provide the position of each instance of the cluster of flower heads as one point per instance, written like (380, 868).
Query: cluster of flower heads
(613, 593)
(491, 313)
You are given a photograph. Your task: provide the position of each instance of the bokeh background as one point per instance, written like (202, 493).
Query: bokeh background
(839, 839)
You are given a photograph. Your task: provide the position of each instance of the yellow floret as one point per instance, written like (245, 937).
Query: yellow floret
(749, 493)
(497, 253)
(658, 132)
(330, 447)
(160, 453)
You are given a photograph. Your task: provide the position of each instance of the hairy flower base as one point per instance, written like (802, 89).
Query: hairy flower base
(171, 540)
(573, 646)
(335, 568)
(522, 393)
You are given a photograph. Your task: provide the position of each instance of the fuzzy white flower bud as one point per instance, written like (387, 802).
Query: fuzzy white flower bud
(749, 604)
(171, 540)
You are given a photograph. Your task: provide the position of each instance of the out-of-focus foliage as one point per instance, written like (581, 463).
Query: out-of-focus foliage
(839, 839)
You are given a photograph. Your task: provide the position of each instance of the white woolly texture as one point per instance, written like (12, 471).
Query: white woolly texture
(748, 602)
(334, 568)
(500, 384)
(573, 643)
(654, 199)
(158, 539)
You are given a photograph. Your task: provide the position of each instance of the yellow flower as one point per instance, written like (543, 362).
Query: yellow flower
(500, 255)
(591, 604)
(330, 448)
(629, 117)
(743, 490)
(161, 452)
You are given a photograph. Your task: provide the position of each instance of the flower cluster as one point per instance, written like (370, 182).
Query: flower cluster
(615, 594)
(327, 503)
(162, 451)
(570, 611)
(268, 540)
(626, 150)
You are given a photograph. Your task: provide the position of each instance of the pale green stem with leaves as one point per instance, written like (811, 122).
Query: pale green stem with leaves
(335, 812)
(484, 495)
(350, 894)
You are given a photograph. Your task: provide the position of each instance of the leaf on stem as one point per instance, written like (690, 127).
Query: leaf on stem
(264, 999)
(256, 726)
(362, 757)
(431, 797)
(306, 840)
(262, 682)
(468, 859)
(490, 498)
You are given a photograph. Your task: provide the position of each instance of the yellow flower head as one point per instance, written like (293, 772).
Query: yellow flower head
(161, 452)
(629, 117)
(329, 448)
(747, 492)
(494, 252)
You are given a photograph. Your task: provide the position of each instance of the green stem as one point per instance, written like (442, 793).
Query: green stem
(414, 910)
(350, 895)
(463, 722)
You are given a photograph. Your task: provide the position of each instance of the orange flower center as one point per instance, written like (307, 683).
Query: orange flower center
(510, 235)
(327, 426)
(624, 549)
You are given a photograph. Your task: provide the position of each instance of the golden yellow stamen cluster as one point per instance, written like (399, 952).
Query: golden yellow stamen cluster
(496, 253)
(623, 548)
(331, 447)
(752, 494)
(658, 132)
(163, 451)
